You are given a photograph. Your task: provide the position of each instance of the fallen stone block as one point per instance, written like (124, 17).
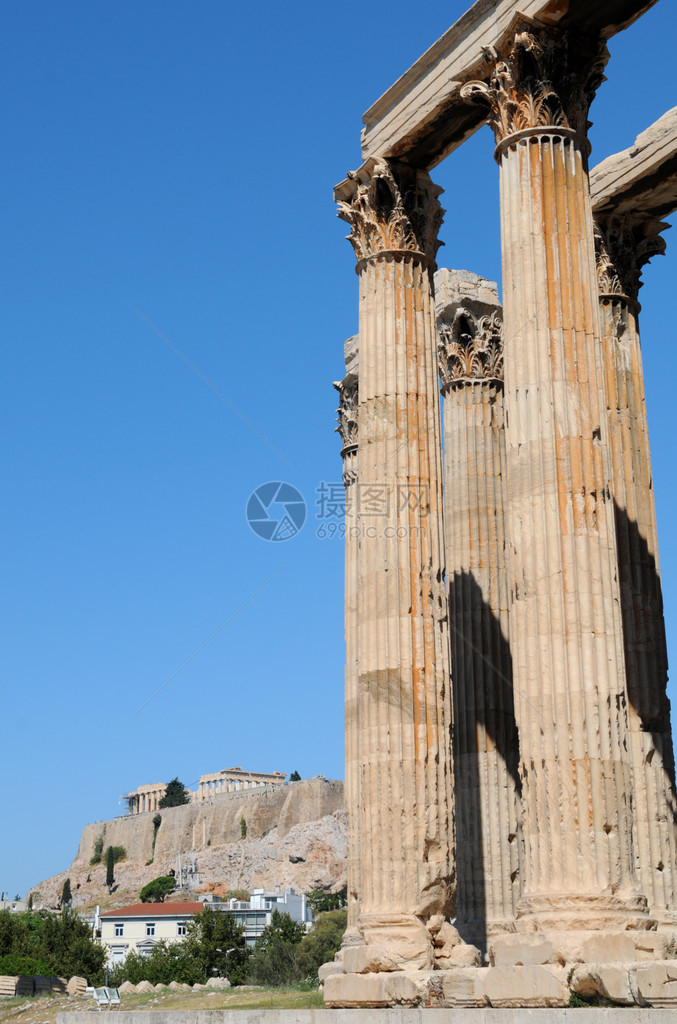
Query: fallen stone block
(144, 986)
(527, 986)
(126, 986)
(607, 981)
(458, 956)
(401, 988)
(657, 983)
(464, 987)
(219, 984)
(325, 970)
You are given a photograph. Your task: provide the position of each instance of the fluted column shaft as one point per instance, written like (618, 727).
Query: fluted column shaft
(347, 419)
(623, 245)
(403, 714)
(565, 622)
(485, 734)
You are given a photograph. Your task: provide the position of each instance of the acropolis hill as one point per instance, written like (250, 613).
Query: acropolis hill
(296, 837)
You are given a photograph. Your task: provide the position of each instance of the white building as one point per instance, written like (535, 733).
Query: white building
(257, 912)
(141, 926)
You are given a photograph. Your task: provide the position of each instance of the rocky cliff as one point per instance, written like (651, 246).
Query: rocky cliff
(295, 836)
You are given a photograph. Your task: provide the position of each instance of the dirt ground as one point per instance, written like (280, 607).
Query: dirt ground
(43, 1009)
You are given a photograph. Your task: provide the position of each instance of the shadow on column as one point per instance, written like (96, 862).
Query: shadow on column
(486, 756)
(646, 666)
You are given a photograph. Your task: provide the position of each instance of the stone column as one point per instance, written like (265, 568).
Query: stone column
(348, 429)
(624, 244)
(470, 326)
(565, 618)
(403, 705)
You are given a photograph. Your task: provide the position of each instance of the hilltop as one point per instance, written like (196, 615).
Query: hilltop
(295, 837)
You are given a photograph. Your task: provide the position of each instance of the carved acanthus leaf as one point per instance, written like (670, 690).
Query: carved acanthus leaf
(544, 78)
(471, 347)
(623, 244)
(347, 410)
(393, 208)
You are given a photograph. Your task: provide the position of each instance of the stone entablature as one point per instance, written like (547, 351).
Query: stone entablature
(232, 780)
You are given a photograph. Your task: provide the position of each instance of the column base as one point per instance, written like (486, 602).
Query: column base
(649, 983)
(390, 942)
(587, 912)
(579, 946)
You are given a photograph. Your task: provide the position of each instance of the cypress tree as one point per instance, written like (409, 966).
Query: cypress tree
(110, 863)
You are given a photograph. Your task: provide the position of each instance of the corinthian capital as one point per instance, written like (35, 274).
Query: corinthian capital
(347, 410)
(623, 244)
(542, 78)
(390, 208)
(470, 347)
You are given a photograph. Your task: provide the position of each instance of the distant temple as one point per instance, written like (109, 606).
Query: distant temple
(229, 780)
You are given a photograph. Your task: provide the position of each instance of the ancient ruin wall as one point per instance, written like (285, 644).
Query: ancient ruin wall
(214, 822)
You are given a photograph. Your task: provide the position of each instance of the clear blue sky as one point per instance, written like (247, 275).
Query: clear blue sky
(178, 159)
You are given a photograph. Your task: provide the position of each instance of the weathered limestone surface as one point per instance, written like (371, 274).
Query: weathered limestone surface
(403, 714)
(520, 987)
(565, 621)
(469, 322)
(558, 645)
(347, 427)
(624, 243)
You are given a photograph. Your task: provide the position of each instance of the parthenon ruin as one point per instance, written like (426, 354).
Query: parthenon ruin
(228, 780)
(509, 767)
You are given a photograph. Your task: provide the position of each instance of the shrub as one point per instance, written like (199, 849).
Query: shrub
(98, 850)
(13, 964)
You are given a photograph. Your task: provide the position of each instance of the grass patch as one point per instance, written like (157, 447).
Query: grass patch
(44, 1008)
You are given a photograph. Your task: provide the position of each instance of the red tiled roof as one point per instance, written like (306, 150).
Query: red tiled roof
(156, 910)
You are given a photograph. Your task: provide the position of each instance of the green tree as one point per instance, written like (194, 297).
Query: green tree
(216, 944)
(110, 868)
(156, 890)
(273, 960)
(176, 794)
(321, 943)
(243, 828)
(51, 944)
(294, 777)
(66, 895)
(319, 900)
